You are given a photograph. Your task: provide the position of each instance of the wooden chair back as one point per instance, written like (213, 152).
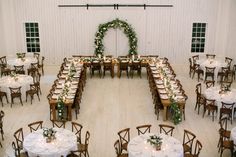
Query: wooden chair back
(2, 114)
(195, 58)
(166, 129)
(124, 136)
(58, 124)
(19, 69)
(77, 129)
(228, 61)
(19, 137)
(198, 148)
(188, 140)
(35, 126)
(142, 129)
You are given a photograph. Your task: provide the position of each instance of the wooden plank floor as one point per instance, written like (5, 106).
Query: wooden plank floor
(109, 105)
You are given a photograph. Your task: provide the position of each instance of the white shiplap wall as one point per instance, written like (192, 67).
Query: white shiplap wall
(67, 31)
(231, 40)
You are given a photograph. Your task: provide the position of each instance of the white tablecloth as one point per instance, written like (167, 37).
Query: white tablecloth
(35, 144)
(26, 62)
(171, 147)
(233, 135)
(228, 97)
(211, 63)
(23, 80)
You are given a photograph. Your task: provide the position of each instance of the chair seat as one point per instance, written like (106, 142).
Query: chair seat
(124, 146)
(72, 155)
(187, 148)
(81, 147)
(190, 155)
(123, 155)
(23, 154)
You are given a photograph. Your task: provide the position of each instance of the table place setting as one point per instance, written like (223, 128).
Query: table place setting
(155, 145)
(50, 142)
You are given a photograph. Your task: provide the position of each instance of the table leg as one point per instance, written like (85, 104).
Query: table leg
(69, 113)
(164, 113)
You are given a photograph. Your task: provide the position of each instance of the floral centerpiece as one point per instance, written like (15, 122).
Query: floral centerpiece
(156, 141)
(224, 89)
(72, 71)
(21, 56)
(14, 75)
(49, 133)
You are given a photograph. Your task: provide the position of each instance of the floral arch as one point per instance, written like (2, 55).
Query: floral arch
(127, 29)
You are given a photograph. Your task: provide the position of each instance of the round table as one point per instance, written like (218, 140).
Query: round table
(35, 144)
(22, 80)
(228, 97)
(233, 135)
(26, 62)
(211, 63)
(139, 147)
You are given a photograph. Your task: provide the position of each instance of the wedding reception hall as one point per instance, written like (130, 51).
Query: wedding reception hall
(140, 78)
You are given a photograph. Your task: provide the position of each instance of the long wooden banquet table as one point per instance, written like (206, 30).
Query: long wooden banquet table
(87, 60)
(161, 72)
(69, 82)
(167, 85)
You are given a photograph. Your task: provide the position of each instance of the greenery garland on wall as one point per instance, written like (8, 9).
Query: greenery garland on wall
(127, 29)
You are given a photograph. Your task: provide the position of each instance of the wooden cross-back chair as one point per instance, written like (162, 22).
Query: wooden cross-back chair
(123, 66)
(58, 124)
(136, 66)
(197, 69)
(32, 91)
(77, 129)
(35, 126)
(107, 66)
(166, 129)
(227, 109)
(210, 72)
(197, 150)
(82, 149)
(18, 152)
(2, 114)
(19, 69)
(118, 150)
(2, 95)
(124, 136)
(19, 137)
(15, 93)
(211, 107)
(228, 61)
(188, 141)
(223, 129)
(96, 66)
(142, 129)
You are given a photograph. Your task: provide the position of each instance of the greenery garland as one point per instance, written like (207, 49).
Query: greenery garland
(60, 109)
(176, 114)
(127, 29)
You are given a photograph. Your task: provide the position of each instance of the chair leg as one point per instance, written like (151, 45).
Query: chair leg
(12, 101)
(7, 99)
(38, 96)
(1, 100)
(32, 97)
(21, 101)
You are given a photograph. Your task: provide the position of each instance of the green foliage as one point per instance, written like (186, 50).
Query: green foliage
(176, 114)
(155, 140)
(127, 29)
(60, 109)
